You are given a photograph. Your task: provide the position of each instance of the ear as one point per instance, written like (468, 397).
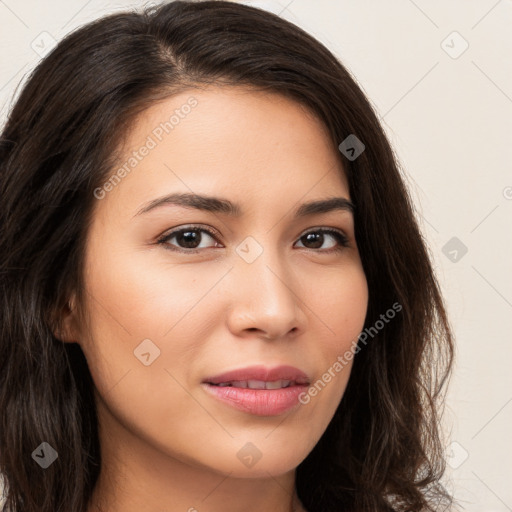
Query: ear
(66, 324)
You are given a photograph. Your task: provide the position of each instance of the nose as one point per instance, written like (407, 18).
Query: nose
(265, 299)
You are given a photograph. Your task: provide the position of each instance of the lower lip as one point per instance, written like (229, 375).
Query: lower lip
(261, 402)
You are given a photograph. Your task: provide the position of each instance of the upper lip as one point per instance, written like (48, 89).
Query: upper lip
(262, 373)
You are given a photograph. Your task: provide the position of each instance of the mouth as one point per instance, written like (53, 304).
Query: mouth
(258, 384)
(260, 377)
(259, 390)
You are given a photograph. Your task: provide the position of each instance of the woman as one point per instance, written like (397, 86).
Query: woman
(215, 294)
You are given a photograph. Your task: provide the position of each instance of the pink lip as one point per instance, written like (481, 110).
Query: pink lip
(260, 402)
(261, 373)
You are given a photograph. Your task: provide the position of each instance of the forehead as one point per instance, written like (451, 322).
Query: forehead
(233, 141)
(230, 109)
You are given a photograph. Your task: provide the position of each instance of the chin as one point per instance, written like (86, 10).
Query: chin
(271, 462)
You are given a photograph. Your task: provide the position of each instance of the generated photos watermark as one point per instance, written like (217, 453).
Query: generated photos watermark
(344, 359)
(157, 135)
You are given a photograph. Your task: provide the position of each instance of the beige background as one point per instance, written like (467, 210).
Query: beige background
(447, 110)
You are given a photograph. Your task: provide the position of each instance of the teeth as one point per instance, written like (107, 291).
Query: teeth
(277, 384)
(239, 384)
(258, 384)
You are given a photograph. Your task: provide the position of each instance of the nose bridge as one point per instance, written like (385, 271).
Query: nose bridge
(262, 263)
(264, 296)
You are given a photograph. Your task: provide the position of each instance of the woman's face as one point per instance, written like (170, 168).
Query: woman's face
(266, 288)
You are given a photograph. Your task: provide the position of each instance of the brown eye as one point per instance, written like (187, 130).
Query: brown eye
(188, 239)
(316, 239)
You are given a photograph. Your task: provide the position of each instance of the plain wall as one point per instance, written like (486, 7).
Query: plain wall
(447, 110)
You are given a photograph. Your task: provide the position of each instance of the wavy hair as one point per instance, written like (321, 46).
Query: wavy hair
(383, 449)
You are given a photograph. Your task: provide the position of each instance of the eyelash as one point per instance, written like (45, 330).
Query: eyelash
(163, 240)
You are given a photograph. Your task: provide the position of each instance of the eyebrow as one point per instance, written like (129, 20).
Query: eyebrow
(226, 207)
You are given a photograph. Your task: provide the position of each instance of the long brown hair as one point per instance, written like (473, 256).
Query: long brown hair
(382, 450)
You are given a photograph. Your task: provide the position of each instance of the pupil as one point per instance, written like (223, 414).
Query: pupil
(316, 238)
(190, 238)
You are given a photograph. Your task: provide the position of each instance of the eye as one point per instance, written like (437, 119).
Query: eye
(317, 237)
(189, 239)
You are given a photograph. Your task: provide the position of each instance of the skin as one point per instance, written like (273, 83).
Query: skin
(167, 444)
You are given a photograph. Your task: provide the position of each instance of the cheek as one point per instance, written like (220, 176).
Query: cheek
(130, 302)
(340, 300)
(341, 306)
(148, 295)
(141, 314)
